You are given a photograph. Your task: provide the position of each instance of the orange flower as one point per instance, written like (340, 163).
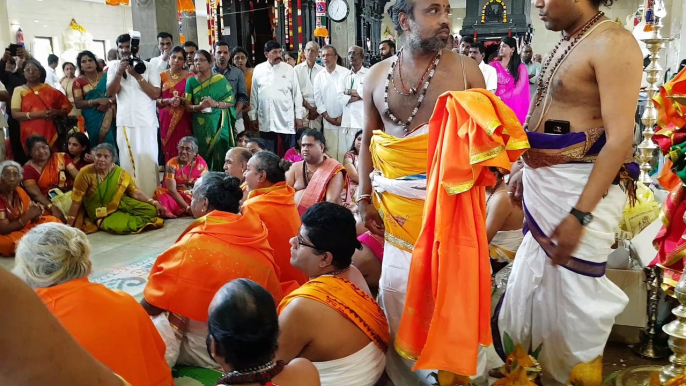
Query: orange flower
(587, 374)
(516, 378)
(520, 356)
(446, 378)
(677, 381)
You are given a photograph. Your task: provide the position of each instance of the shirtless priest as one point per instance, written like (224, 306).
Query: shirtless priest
(395, 146)
(317, 177)
(558, 296)
(335, 299)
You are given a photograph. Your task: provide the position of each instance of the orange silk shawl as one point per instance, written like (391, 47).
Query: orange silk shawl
(276, 207)
(348, 300)
(214, 250)
(448, 304)
(113, 328)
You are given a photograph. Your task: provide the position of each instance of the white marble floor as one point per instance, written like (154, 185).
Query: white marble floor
(109, 250)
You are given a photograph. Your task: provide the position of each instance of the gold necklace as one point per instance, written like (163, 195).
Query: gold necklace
(93, 83)
(173, 75)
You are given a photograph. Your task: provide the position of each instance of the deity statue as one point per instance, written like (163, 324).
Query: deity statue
(74, 40)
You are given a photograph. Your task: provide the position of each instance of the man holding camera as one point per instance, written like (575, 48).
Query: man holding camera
(136, 85)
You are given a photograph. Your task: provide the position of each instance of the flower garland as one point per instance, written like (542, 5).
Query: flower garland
(300, 25)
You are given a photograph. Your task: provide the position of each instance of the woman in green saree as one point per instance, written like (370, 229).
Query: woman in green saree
(111, 198)
(90, 95)
(211, 100)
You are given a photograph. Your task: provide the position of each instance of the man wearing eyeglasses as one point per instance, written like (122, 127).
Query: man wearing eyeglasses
(337, 299)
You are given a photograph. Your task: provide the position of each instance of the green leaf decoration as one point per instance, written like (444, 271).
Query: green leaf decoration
(508, 343)
(537, 352)
(611, 377)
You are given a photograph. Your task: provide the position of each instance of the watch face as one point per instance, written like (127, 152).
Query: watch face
(338, 10)
(587, 219)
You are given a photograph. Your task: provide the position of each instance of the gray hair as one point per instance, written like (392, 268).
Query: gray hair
(313, 43)
(108, 147)
(52, 254)
(189, 139)
(6, 164)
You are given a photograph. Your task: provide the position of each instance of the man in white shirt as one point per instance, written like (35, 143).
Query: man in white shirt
(477, 52)
(51, 74)
(533, 68)
(306, 72)
(326, 96)
(350, 96)
(275, 100)
(165, 42)
(136, 116)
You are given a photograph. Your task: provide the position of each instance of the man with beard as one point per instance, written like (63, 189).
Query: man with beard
(317, 177)
(233, 74)
(386, 49)
(306, 72)
(395, 148)
(558, 296)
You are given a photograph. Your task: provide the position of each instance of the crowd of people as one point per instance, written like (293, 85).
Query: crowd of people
(368, 202)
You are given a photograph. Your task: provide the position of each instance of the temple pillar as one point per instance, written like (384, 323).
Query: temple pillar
(190, 27)
(343, 33)
(150, 17)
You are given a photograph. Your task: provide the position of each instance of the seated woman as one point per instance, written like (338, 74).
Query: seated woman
(503, 223)
(272, 199)
(111, 198)
(242, 138)
(54, 260)
(46, 171)
(350, 163)
(79, 148)
(180, 175)
(293, 154)
(18, 214)
(243, 333)
(221, 246)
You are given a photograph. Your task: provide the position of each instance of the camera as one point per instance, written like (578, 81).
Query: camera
(135, 61)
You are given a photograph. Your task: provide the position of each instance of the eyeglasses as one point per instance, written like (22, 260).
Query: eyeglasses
(303, 243)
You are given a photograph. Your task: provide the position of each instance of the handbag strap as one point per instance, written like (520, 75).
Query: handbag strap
(39, 98)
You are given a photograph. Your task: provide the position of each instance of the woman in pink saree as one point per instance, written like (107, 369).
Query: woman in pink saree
(513, 79)
(180, 176)
(175, 122)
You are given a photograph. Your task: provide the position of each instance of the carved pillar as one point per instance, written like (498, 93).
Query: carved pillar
(343, 34)
(149, 18)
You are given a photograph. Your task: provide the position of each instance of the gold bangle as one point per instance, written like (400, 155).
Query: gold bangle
(28, 116)
(141, 80)
(71, 218)
(150, 201)
(21, 222)
(50, 206)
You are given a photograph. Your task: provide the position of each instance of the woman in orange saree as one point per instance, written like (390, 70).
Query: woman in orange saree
(17, 213)
(175, 122)
(35, 105)
(46, 171)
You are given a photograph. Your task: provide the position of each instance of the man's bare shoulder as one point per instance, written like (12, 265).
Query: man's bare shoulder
(614, 41)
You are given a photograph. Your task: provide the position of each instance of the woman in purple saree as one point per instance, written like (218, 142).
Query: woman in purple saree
(513, 79)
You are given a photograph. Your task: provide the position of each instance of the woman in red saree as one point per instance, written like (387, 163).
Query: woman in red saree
(180, 175)
(175, 122)
(35, 105)
(45, 171)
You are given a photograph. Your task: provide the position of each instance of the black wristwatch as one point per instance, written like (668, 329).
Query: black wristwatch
(584, 218)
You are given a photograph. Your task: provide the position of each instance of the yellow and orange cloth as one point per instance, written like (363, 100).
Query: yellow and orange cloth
(113, 328)
(348, 300)
(211, 252)
(447, 308)
(12, 212)
(276, 207)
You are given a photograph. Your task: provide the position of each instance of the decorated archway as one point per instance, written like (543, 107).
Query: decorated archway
(494, 11)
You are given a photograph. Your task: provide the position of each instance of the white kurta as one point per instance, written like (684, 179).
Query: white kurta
(326, 87)
(137, 128)
(490, 76)
(158, 64)
(353, 113)
(569, 313)
(275, 98)
(52, 80)
(306, 77)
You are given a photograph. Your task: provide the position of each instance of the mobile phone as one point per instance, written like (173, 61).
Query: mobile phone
(553, 126)
(14, 48)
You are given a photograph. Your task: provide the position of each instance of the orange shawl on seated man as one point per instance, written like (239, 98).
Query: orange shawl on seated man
(112, 327)
(211, 252)
(348, 300)
(315, 191)
(276, 207)
(448, 305)
(12, 212)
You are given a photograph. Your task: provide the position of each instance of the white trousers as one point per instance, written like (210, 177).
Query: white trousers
(339, 140)
(138, 155)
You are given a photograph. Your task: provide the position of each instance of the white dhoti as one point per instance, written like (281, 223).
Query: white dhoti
(339, 140)
(363, 368)
(568, 309)
(393, 284)
(138, 155)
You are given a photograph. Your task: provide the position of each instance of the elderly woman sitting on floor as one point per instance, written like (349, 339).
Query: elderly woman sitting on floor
(180, 175)
(220, 246)
(54, 260)
(18, 214)
(111, 198)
